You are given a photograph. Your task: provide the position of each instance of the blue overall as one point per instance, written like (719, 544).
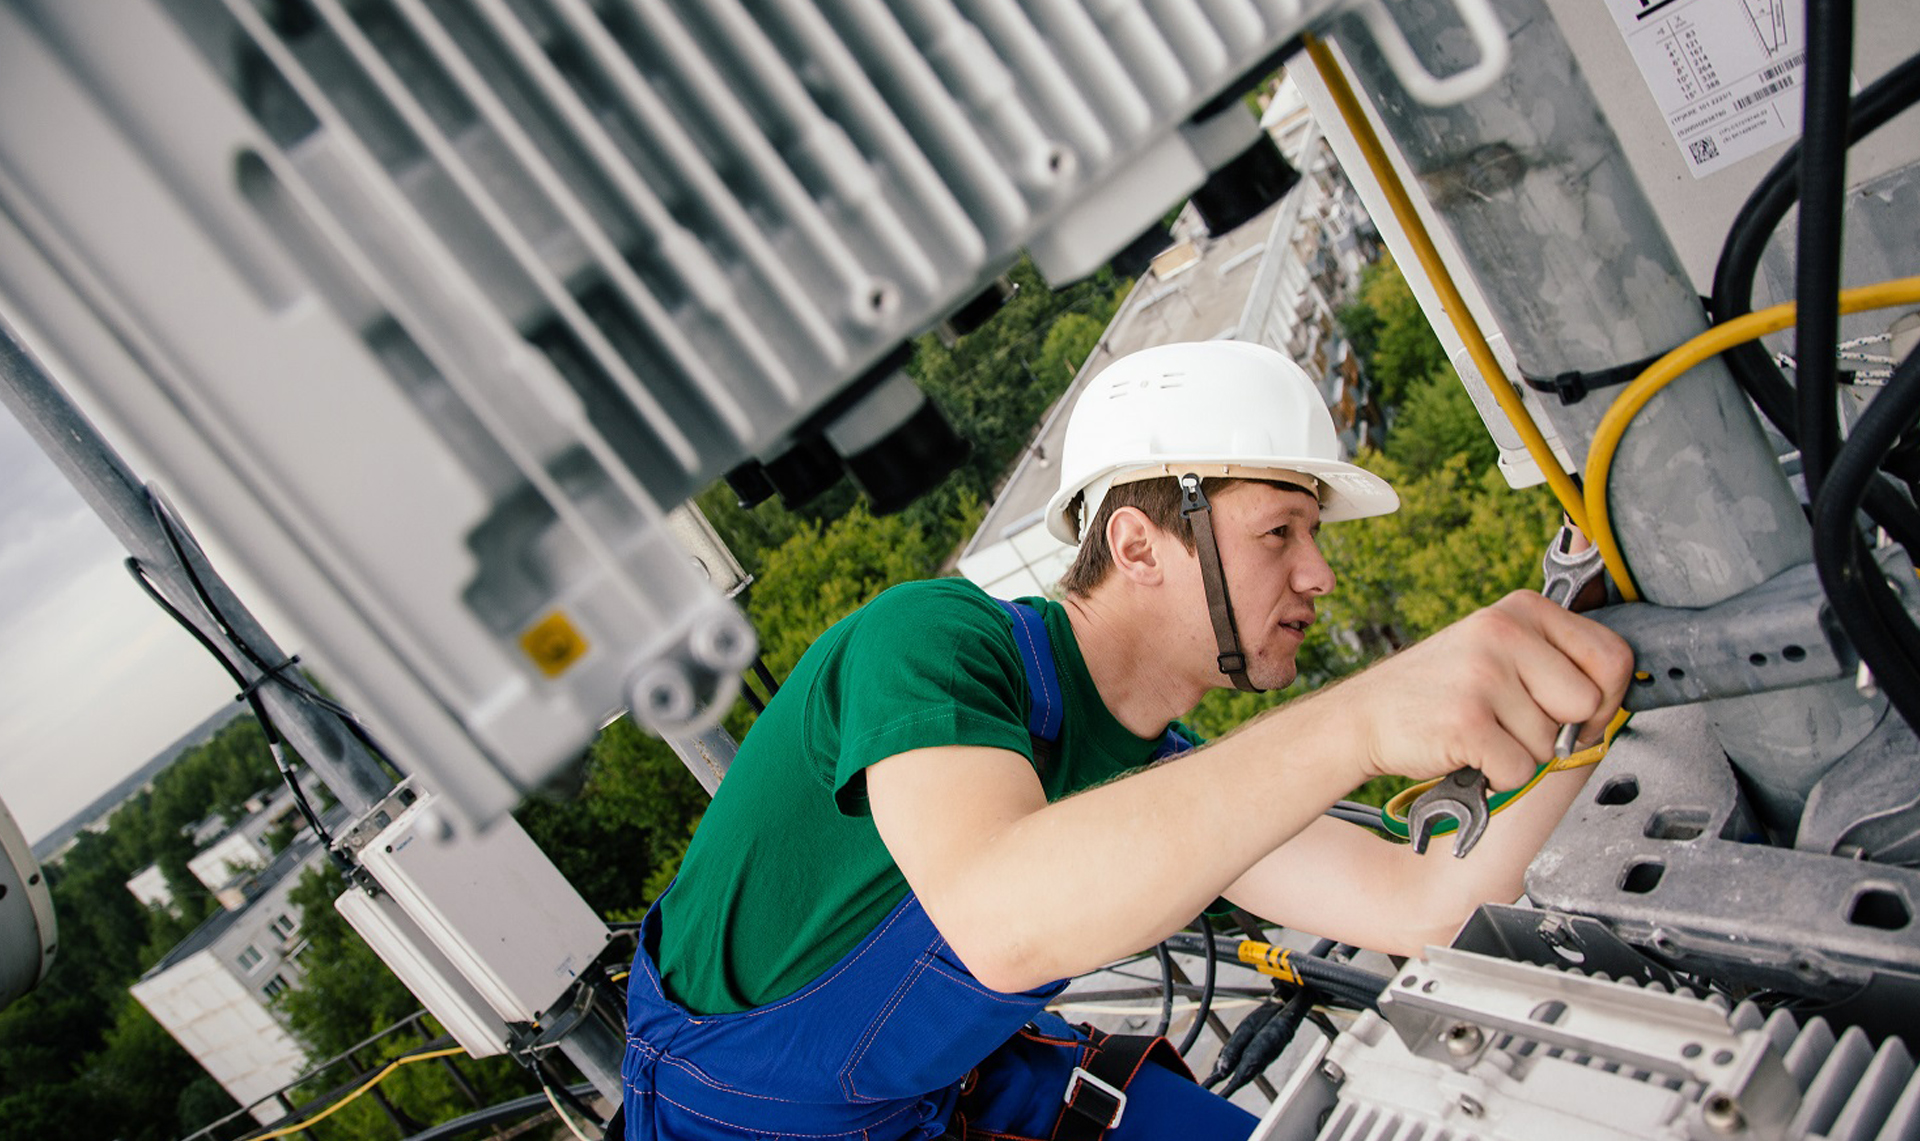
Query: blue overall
(895, 1042)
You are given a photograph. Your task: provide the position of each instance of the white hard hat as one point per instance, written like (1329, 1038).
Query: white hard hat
(1212, 408)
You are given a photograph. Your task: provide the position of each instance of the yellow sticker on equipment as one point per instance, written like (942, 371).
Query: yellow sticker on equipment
(553, 644)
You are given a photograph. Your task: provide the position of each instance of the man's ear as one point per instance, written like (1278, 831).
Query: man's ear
(1134, 542)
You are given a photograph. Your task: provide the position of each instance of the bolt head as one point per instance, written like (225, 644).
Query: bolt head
(1463, 1039)
(1721, 1113)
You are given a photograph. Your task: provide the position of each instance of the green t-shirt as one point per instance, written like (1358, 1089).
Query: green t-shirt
(787, 872)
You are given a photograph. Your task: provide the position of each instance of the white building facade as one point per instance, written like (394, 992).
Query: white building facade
(215, 991)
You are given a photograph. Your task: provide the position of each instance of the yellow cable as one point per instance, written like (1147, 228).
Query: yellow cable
(1564, 489)
(369, 1084)
(1720, 338)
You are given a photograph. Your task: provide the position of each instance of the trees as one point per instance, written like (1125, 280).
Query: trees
(1390, 333)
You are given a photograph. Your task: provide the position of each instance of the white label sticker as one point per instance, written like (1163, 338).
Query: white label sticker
(1726, 73)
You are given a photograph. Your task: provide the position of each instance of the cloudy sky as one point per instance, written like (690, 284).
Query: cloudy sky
(94, 679)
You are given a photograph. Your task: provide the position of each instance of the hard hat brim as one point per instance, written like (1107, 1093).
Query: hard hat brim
(1348, 491)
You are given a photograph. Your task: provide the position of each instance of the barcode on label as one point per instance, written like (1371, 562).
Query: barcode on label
(1703, 150)
(1783, 67)
(1753, 97)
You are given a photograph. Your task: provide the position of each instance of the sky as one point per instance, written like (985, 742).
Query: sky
(94, 679)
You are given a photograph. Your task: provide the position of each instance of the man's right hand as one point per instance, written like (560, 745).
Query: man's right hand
(1490, 691)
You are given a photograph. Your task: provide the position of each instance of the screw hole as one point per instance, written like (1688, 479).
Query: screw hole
(1692, 1050)
(1676, 824)
(1676, 673)
(1619, 790)
(1722, 1057)
(1549, 1013)
(1877, 907)
(1757, 659)
(1642, 877)
(1794, 654)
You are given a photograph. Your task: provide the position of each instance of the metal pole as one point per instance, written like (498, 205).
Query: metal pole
(707, 754)
(1581, 277)
(349, 770)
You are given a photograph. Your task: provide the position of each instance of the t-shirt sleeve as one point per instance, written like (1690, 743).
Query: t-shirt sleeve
(922, 669)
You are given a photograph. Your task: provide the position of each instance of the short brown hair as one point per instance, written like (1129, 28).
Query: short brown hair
(1158, 499)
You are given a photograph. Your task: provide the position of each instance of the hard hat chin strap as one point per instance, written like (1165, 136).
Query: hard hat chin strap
(1199, 516)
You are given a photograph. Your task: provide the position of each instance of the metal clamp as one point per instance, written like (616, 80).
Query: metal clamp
(1776, 635)
(1488, 36)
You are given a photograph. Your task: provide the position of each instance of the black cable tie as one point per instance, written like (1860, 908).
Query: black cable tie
(272, 673)
(1573, 386)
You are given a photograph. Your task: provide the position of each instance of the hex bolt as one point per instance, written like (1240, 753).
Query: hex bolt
(1721, 1114)
(1463, 1039)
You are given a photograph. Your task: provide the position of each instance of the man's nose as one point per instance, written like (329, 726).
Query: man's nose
(1313, 576)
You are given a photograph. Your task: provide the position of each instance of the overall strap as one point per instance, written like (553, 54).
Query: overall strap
(1048, 710)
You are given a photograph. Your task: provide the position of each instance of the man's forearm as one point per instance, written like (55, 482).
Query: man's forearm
(1061, 888)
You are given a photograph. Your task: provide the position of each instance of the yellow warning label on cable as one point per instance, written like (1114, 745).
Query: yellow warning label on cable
(553, 644)
(1269, 960)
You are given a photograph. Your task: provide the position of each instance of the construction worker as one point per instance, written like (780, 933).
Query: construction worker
(913, 850)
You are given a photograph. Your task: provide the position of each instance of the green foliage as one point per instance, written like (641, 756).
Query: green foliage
(1390, 333)
(821, 574)
(141, 1065)
(1458, 542)
(1438, 421)
(995, 383)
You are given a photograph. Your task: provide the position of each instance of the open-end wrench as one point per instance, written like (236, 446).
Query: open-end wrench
(1569, 577)
(1461, 796)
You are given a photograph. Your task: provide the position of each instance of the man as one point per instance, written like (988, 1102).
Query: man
(890, 886)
